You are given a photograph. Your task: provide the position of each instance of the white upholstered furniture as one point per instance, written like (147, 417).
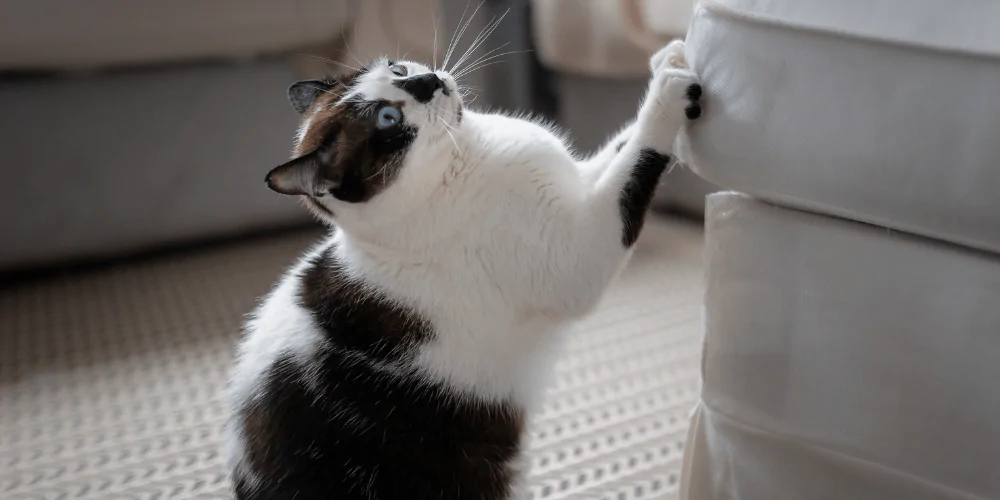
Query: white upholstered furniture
(853, 292)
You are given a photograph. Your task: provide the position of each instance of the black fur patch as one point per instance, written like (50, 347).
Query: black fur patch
(357, 319)
(422, 87)
(338, 426)
(345, 154)
(638, 192)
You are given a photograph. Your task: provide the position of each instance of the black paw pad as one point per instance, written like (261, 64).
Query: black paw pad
(693, 111)
(694, 92)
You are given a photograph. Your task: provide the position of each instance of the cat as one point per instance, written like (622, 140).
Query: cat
(402, 356)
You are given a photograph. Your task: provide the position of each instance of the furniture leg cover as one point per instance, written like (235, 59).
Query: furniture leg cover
(843, 361)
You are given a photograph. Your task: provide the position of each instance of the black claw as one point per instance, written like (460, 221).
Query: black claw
(693, 111)
(694, 92)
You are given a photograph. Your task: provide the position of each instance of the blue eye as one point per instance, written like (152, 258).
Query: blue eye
(389, 116)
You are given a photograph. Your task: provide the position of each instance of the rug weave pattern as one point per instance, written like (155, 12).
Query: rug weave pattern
(111, 379)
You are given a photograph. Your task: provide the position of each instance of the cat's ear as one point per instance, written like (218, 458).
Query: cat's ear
(303, 175)
(303, 94)
(295, 177)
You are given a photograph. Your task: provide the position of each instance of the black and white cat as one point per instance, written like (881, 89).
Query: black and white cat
(401, 357)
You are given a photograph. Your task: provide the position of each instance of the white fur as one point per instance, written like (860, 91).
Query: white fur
(492, 230)
(280, 326)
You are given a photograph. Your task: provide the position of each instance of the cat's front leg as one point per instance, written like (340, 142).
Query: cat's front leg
(614, 210)
(673, 98)
(669, 57)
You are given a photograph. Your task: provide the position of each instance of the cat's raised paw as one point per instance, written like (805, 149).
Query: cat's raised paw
(670, 56)
(674, 97)
(676, 90)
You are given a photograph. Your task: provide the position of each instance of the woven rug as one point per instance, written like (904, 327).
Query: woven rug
(111, 378)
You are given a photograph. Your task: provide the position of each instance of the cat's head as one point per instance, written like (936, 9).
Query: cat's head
(361, 133)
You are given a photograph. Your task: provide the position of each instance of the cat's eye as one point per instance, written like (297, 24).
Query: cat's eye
(398, 70)
(389, 116)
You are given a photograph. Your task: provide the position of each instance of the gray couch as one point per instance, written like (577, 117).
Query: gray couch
(130, 127)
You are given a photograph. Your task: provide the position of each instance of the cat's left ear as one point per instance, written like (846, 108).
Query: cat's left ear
(302, 175)
(303, 94)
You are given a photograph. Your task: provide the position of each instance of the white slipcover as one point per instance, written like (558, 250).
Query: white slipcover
(843, 361)
(882, 111)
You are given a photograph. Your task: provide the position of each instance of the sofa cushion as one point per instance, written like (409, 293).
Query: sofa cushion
(128, 161)
(882, 112)
(58, 34)
(843, 361)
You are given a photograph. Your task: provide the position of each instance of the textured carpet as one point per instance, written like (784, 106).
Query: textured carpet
(110, 378)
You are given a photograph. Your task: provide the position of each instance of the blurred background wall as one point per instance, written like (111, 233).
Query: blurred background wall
(135, 126)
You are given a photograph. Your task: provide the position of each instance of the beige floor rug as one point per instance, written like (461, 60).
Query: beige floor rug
(110, 378)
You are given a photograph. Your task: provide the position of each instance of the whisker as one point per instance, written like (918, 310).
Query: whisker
(461, 33)
(483, 36)
(352, 50)
(442, 121)
(473, 66)
(451, 42)
(447, 130)
(486, 58)
(381, 171)
(331, 61)
(472, 46)
(488, 53)
(347, 44)
(343, 36)
(446, 124)
(327, 91)
(437, 21)
(480, 66)
(341, 83)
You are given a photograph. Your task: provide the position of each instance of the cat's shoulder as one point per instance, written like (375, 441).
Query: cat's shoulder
(520, 129)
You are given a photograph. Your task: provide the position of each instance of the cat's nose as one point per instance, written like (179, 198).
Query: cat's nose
(421, 87)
